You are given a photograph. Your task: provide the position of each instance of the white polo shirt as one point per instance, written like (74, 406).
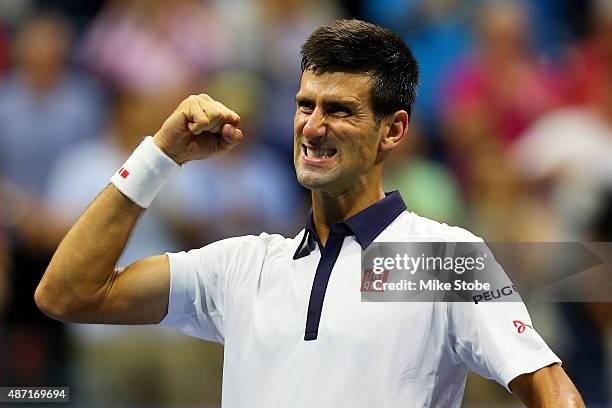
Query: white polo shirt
(252, 294)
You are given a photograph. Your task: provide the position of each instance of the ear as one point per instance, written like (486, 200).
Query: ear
(396, 129)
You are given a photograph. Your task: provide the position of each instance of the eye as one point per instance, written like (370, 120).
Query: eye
(338, 109)
(305, 106)
(344, 109)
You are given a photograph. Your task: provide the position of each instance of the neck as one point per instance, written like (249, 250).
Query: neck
(329, 208)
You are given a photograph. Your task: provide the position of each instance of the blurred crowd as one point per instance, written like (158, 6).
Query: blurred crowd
(511, 138)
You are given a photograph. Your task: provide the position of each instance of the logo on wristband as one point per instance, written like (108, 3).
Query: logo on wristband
(123, 172)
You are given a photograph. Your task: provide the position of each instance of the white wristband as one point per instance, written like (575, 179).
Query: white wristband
(144, 173)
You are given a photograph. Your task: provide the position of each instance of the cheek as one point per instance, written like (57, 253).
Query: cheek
(298, 122)
(367, 149)
(297, 131)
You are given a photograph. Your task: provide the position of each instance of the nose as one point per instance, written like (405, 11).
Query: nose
(315, 126)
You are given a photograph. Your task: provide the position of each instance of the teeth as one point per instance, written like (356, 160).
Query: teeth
(320, 153)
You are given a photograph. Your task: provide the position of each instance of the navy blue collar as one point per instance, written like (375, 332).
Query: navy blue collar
(366, 225)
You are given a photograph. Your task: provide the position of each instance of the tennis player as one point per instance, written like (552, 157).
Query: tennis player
(288, 310)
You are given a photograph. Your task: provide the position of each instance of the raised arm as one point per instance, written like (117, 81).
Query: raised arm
(82, 284)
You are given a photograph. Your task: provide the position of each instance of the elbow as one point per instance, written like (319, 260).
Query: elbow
(66, 302)
(50, 303)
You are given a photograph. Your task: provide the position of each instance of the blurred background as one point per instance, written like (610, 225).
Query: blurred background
(511, 138)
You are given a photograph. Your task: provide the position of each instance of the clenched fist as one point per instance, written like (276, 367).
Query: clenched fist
(199, 128)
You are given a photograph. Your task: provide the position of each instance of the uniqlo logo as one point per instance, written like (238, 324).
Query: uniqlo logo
(123, 172)
(369, 278)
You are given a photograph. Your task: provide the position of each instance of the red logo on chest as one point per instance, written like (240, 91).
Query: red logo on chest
(123, 172)
(373, 282)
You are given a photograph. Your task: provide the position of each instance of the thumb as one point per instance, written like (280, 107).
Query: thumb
(231, 135)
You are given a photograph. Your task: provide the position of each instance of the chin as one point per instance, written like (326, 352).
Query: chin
(320, 184)
(313, 181)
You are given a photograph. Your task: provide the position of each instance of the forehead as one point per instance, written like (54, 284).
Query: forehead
(335, 85)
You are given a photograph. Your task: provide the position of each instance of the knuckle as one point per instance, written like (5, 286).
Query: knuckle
(213, 112)
(225, 111)
(188, 102)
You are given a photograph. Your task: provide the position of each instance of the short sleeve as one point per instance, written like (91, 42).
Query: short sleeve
(201, 284)
(497, 340)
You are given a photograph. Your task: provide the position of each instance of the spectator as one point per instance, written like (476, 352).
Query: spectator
(590, 62)
(439, 35)
(3, 51)
(44, 105)
(155, 46)
(501, 86)
(568, 154)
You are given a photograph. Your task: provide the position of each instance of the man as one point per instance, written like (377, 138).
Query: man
(263, 297)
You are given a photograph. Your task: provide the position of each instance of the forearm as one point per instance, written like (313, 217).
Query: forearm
(82, 269)
(547, 387)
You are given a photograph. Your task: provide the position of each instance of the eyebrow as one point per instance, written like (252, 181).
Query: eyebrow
(299, 99)
(329, 104)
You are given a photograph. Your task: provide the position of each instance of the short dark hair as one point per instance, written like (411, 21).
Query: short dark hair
(364, 48)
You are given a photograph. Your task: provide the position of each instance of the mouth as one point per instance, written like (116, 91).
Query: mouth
(317, 155)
